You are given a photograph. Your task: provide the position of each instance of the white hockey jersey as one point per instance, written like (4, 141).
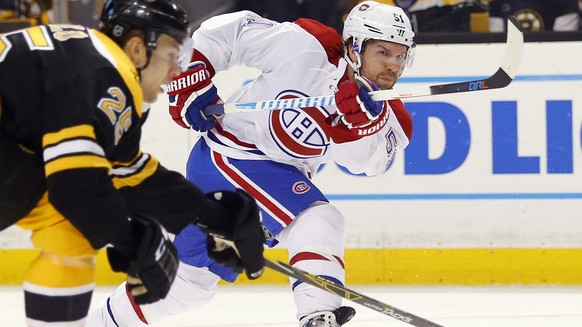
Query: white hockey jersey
(294, 63)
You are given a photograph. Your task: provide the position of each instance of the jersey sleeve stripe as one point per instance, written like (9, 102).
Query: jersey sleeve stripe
(79, 131)
(75, 162)
(124, 170)
(134, 175)
(72, 147)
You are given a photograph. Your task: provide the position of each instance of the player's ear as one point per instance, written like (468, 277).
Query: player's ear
(136, 50)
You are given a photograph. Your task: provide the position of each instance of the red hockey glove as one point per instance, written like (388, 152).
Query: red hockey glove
(356, 109)
(190, 92)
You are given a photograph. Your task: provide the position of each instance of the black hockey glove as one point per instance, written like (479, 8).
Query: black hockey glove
(152, 266)
(236, 241)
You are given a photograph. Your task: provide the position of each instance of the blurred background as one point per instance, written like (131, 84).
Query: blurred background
(428, 16)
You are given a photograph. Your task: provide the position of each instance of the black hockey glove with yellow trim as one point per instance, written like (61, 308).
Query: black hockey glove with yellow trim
(236, 240)
(152, 266)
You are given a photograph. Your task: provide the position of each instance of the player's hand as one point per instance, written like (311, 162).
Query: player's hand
(189, 93)
(151, 266)
(237, 241)
(356, 108)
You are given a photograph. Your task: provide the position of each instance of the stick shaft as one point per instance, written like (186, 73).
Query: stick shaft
(348, 294)
(502, 77)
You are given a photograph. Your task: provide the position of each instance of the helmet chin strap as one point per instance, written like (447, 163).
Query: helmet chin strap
(150, 40)
(147, 63)
(358, 63)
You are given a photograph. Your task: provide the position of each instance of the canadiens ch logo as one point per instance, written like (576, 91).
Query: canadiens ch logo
(300, 187)
(297, 132)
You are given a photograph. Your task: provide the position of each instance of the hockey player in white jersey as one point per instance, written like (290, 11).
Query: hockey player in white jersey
(273, 154)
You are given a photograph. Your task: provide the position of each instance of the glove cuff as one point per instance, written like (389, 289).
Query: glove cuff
(196, 79)
(374, 126)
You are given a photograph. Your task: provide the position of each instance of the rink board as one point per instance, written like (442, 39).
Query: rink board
(488, 192)
(393, 267)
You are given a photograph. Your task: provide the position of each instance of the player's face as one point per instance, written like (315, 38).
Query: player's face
(382, 62)
(162, 67)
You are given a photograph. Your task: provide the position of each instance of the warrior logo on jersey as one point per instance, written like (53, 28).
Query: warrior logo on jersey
(301, 187)
(297, 131)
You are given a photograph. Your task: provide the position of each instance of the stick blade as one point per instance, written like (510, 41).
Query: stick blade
(514, 48)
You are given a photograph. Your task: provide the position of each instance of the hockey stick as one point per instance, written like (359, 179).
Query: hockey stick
(500, 79)
(348, 294)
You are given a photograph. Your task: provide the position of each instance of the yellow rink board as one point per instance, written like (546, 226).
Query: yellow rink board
(393, 267)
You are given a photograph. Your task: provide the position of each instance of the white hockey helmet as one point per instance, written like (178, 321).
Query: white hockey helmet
(377, 21)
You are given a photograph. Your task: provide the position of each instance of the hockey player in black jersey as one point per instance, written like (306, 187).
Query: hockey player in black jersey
(71, 169)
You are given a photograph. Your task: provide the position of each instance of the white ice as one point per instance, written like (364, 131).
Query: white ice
(272, 306)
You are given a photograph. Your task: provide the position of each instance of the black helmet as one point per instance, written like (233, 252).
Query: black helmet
(154, 17)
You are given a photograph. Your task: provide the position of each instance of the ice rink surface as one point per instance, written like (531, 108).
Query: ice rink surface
(272, 306)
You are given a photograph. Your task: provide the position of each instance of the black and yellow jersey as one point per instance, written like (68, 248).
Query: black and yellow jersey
(71, 95)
